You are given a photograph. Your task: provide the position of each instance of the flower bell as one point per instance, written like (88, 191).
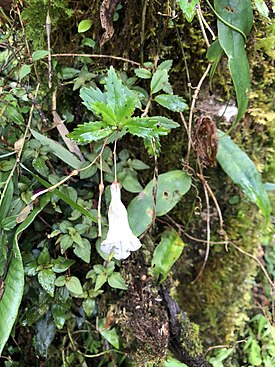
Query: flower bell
(120, 239)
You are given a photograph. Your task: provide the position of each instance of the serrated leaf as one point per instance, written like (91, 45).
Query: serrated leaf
(166, 254)
(171, 102)
(91, 95)
(159, 80)
(46, 278)
(149, 127)
(39, 54)
(73, 285)
(84, 25)
(188, 8)
(239, 14)
(171, 187)
(58, 150)
(115, 280)
(90, 131)
(24, 71)
(239, 167)
(143, 73)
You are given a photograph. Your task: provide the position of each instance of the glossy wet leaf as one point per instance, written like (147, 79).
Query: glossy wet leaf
(45, 333)
(14, 281)
(46, 278)
(171, 102)
(240, 168)
(115, 280)
(239, 14)
(60, 313)
(58, 150)
(166, 254)
(149, 127)
(171, 187)
(6, 201)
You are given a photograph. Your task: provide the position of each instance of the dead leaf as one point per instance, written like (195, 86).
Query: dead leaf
(206, 141)
(107, 10)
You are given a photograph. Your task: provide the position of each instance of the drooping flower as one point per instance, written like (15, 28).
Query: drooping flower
(120, 239)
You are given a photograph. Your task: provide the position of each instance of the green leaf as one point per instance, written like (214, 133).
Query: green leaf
(65, 242)
(89, 306)
(45, 333)
(90, 131)
(39, 54)
(110, 335)
(262, 8)
(239, 14)
(143, 73)
(73, 285)
(100, 280)
(171, 102)
(63, 196)
(58, 150)
(166, 254)
(89, 172)
(239, 167)
(172, 362)
(9, 223)
(171, 187)
(214, 54)
(84, 25)
(60, 281)
(46, 278)
(149, 127)
(159, 81)
(136, 164)
(92, 95)
(84, 251)
(24, 71)
(60, 314)
(6, 201)
(14, 281)
(131, 184)
(269, 186)
(188, 8)
(61, 264)
(116, 281)
(44, 257)
(254, 356)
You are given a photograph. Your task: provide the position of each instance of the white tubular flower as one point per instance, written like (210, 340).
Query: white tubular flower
(120, 239)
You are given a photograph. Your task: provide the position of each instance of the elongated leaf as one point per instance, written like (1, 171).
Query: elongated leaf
(166, 254)
(90, 131)
(171, 102)
(24, 71)
(84, 25)
(63, 196)
(108, 334)
(149, 127)
(239, 14)
(171, 187)
(214, 54)
(6, 201)
(14, 281)
(172, 362)
(239, 167)
(262, 8)
(143, 73)
(58, 150)
(39, 54)
(91, 95)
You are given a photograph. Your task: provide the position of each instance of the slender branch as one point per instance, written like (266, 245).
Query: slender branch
(48, 30)
(100, 56)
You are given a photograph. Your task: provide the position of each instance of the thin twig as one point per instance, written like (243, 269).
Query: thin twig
(199, 14)
(48, 31)
(100, 189)
(98, 56)
(155, 180)
(208, 234)
(114, 156)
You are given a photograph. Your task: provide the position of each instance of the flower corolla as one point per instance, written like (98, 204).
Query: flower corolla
(120, 239)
